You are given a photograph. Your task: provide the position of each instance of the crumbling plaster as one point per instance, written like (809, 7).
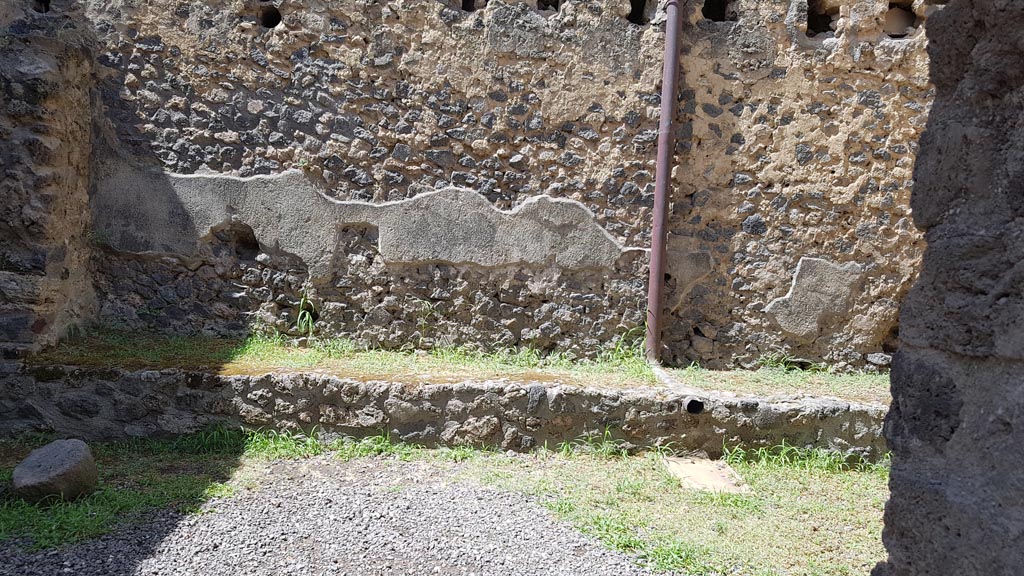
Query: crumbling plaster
(159, 212)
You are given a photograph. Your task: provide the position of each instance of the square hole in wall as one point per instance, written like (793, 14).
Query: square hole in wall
(719, 11)
(473, 5)
(637, 12)
(821, 18)
(900, 21)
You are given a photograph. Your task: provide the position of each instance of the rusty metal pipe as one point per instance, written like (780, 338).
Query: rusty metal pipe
(663, 178)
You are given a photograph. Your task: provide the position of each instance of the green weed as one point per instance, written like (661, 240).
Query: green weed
(380, 445)
(305, 320)
(603, 445)
(462, 453)
(787, 363)
(271, 444)
(806, 459)
(214, 440)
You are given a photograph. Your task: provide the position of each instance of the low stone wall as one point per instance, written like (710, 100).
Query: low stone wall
(110, 404)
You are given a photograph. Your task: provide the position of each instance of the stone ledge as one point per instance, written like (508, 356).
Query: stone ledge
(112, 403)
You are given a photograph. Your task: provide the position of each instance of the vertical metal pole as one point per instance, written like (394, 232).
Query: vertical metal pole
(663, 178)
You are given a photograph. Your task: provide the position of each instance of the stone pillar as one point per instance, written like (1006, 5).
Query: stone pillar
(956, 426)
(45, 147)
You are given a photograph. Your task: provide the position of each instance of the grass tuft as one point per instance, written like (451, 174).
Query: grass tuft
(810, 513)
(274, 445)
(380, 445)
(603, 445)
(220, 440)
(805, 459)
(462, 453)
(782, 378)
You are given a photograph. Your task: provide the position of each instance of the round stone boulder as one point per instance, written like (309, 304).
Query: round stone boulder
(62, 469)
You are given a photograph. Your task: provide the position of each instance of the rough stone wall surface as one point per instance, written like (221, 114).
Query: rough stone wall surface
(957, 416)
(445, 267)
(516, 416)
(794, 153)
(45, 147)
(796, 158)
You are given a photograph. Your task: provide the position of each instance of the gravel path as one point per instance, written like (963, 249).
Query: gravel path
(367, 517)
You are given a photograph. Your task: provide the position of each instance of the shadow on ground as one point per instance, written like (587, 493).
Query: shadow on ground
(142, 483)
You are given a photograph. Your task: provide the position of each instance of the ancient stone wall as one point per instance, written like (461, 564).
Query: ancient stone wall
(958, 408)
(114, 404)
(46, 104)
(791, 225)
(397, 163)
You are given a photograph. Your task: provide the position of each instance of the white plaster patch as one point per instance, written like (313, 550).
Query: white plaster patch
(820, 289)
(144, 211)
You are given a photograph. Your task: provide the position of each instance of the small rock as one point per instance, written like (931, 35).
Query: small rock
(703, 346)
(754, 225)
(879, 359)
(64, 468)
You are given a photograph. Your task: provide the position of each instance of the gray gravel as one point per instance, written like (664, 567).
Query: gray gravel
(319, 517)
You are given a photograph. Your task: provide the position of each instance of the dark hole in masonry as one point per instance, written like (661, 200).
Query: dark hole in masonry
(41, 6)
(469, 5)
(900, 21)
(891, 341)
(246, 245)
(694, 406)
(636, 12)
(269, 16)
(547, 5)
(819, 20)
(719, 11)
(241, 239)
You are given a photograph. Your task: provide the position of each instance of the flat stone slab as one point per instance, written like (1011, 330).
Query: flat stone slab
(62, 469)
(707, 475)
